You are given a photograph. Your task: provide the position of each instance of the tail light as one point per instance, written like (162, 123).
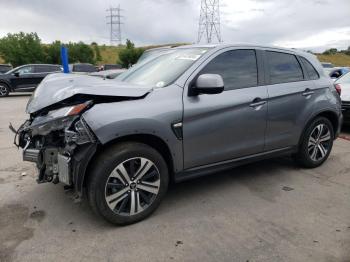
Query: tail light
(338, 88)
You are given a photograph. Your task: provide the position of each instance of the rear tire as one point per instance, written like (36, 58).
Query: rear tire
(127, 183)
(316, 143)
(4, 90)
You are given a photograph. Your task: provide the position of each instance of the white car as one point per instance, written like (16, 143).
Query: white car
(344, 84)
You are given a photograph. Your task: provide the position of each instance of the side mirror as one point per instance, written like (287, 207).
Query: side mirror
(208, 84)
(16, 74)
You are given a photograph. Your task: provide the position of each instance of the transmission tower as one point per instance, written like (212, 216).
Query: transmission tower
(209, 21)
(114, 22)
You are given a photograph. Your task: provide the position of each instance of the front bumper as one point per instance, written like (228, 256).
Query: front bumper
(61, 156)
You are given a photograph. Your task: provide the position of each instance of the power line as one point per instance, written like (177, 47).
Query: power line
(114, 21)
(209, 21)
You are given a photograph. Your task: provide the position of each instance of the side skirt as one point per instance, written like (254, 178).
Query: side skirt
(228, 164)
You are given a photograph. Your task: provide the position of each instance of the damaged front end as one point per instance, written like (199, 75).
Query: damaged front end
(60, 143)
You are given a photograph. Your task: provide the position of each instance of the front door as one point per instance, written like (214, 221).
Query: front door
(231, 124)
(24, 78)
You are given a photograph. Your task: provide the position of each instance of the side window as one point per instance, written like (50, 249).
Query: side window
(311, 71)
(46, 68)
(238, 68)
(25, 70)
(283, 68)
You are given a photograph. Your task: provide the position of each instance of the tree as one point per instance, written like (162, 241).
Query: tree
(129, 55)
(22, 48)
(331, 51)
(80, 52)
(53, 52)
(97, 52)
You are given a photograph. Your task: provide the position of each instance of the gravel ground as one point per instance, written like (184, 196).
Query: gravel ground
(267, 211)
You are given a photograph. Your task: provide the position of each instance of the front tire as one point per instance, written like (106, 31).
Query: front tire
(4, 90)
(127, 183)
(316, 144)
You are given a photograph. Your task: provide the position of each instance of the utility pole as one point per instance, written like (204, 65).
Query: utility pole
(209, 21)
(114, 22)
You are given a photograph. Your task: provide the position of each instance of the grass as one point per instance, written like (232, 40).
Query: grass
(337, 59)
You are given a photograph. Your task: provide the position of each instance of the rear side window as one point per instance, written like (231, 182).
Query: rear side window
(46, 68)
(311, 71)
(283, 68)
(238, 68)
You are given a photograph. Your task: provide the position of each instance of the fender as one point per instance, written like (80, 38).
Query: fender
(110, 121)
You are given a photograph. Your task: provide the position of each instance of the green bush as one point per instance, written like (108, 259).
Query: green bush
(22, 48)
(129, 55)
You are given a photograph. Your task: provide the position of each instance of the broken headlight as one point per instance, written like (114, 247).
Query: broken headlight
(57, 119)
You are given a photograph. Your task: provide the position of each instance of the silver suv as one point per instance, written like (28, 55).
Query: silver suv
(191, 111)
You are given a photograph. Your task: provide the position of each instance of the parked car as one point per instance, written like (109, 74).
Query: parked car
(327, 67)
(110, 67)
(82, 68)
(190, 112)
(4, 68)
(108, 74)
(338, 72)
(343, 84)
(25, 78)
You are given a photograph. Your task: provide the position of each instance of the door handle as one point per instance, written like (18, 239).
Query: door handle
(308, 92)
(257, 102)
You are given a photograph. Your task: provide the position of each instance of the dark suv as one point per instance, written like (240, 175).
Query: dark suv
(25, 78)
(191, 111)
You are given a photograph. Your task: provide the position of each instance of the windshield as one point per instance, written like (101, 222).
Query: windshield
(164, 69)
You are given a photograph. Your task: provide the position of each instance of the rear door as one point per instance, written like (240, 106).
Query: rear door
(42, 71)
(291, 99)
(231, 124)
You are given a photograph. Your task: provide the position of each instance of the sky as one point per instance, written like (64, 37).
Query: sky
(306, 24)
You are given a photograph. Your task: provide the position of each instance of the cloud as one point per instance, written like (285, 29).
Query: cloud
(316, 24)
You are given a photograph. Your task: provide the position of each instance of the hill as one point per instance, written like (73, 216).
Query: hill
(109, 55)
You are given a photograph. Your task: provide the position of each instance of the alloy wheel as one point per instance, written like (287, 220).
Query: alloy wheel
(319, 142)
(3, 90)
(132, 186)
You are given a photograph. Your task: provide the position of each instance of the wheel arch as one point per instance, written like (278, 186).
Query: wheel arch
(329, 114)
(6, 83)
(151, 140)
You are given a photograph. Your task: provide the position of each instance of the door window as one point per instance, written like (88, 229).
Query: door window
(238, 68)
(25, 70)
(46, 68)
(311, 71)
(283, 68)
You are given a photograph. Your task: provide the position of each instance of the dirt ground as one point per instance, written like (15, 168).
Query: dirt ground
(267, 211)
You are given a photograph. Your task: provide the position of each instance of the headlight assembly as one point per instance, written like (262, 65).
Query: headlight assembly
(57, 119)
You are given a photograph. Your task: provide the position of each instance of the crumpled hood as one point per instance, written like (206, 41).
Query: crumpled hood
(58, 87)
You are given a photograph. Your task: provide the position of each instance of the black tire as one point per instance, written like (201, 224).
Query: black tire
(306, 156)
(4, 89)
(101, 174)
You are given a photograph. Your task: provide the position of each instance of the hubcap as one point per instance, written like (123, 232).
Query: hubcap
(132, 186)
(319, 142)
(3, 90)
